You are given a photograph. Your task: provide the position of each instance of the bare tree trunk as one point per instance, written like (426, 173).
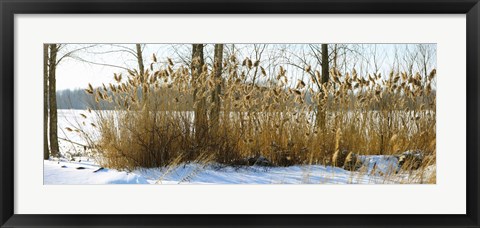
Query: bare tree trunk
(335, 55)
(141, 67)
(325, 67)
(217, 72)
(321, 115)
(200, 103)
(53, 99)
(46, 151)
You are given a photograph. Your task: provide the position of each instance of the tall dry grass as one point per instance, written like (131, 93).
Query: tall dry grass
(307, 123)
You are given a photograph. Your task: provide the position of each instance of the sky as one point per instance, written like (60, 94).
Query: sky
(96, 63)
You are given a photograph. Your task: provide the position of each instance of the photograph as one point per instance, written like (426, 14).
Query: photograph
(239, 113)
(200, 113)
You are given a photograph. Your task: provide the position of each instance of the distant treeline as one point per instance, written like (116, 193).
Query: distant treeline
(79, 99)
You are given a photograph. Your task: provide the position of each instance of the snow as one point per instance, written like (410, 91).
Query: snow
(215, 174)
(195, 173)
(377, 169)
(380, 164)
(62, 172)
(383, 173)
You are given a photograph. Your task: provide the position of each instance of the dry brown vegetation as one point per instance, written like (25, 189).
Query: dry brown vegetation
(309, 123)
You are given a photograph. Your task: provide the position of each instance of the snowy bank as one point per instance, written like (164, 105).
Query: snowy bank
(60, 172)
(379, 170)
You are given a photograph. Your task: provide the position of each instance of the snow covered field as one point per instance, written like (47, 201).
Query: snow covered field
(57, 172)
(86, 172)
(376, 169)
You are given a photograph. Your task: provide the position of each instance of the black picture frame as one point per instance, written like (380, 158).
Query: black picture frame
(9, 8)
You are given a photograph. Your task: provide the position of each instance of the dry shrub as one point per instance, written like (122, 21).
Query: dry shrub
(166, 115)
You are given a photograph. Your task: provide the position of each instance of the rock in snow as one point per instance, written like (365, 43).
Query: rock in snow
(260, 161)
(410, 160)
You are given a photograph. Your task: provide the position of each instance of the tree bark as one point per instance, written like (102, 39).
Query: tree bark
(321, 115)
(335, 55)
(46, 151)
(325, 67)
(217, 73)
(52, 66)
(141, 67)
(200, 121)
